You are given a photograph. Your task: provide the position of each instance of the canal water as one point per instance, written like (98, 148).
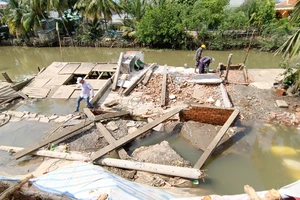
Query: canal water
(20, 62)
(261, 155)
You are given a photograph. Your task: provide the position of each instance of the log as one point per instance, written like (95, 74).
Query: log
(114, 85)
(147, 76)
(225, 97)
(228, 67)
(133, 135)
(216, 140)
(270, 195)
(89, 114)
(164, 86)
(134, 84)
(101, 92)
(18, 185)
(183, 172)
(251, 193)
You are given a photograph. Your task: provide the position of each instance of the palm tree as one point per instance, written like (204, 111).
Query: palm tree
(13, 17)
(136, 10)
(98, 9)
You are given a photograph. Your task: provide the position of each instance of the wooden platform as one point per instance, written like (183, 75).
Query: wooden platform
(58, 77)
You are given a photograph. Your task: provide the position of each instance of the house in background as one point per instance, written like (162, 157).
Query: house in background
(285, 8)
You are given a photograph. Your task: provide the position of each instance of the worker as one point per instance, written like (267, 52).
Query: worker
(199, 55)
(85, 93)
(204, 62)
(138, 64)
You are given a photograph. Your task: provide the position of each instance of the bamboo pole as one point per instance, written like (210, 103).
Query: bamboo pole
(61, 53)
(15, 187)
(248, 49)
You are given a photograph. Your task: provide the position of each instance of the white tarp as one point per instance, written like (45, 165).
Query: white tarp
(87, 181)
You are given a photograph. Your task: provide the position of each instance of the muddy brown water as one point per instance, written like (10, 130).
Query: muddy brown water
(20, 62)
(249, 158)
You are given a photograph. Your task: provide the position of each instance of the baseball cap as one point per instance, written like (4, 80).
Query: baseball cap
(79, 79)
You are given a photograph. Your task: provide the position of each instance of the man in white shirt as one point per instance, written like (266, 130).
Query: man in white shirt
(85, 93)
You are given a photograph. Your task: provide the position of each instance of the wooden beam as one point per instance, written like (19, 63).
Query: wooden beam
(9, 191)
(134, 84)
(147, 76)
(111, 140)
(226, 100)
(101, 92)
(101, 74)
(216, 140)
(133, 135)
(63, 133)
(89, 114)
(111, 115)
(164, 86)
(228, 67)
(114, 85)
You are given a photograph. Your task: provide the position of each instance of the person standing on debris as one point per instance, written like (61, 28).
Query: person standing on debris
(85, 93)
(138, 64)
(204, 62)
(199, 55)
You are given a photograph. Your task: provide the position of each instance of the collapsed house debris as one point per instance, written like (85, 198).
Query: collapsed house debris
(137, 103)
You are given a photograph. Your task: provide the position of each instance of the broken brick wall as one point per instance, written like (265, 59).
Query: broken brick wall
(203, 114)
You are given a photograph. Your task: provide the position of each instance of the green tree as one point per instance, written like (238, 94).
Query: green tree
(13, 17)
(209, 13)
(162, 27)
(98, 9)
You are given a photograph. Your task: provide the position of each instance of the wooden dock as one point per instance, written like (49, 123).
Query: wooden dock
(58, 80)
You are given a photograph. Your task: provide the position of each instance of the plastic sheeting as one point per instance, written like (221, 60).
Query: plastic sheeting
(86, 181)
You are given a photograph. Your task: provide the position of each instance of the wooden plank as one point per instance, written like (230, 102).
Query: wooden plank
(36, 92)
(65, 132)
(59, 80)
(133, 135)
(52, 70)
(97, 84)
(216, 140)
(147, 77)
(111, 140)
(164, 86)
(89, 114)
(101, 92)
(63, 92)
(105, 68)
(111, 115)
(69, 68)
(134, 83)
(85, 68)
(114, 85)
(39, 82)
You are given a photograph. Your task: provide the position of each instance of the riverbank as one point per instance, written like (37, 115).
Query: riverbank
(145, 103)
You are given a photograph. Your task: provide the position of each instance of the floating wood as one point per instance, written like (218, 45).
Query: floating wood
(270, 195)
(63, 92)
(183, 172)
(69, 68)
(164, 86)
(226, 100)
(35, 92)
(135, 134)
(39, 82)
(59, 135)
(58, 80)
(105, 67)
(140, 76)
(111, 115)
(8, 192)
(111, 140)
(114, 85)
(211, 147)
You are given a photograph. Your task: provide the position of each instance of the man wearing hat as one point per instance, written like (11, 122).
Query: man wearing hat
(85, 93)
(199, 55)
